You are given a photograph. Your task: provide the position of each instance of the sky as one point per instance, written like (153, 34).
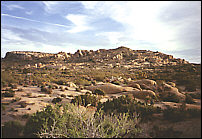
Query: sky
(170, 27)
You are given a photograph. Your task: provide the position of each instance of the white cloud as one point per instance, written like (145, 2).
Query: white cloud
(139, 19)
(14, 6)
(8, 35)
(81, 23)
(50, 5)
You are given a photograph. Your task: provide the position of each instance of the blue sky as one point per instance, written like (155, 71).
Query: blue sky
(170, 27)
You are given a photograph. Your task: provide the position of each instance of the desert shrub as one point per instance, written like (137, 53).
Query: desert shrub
(99, 77)
(29, 109)
(50, 86)
(82, 82)
(29, 94)
(193, 112)
(189, 99)
(99, 92)
(78, 89)
(20, 89)
(25, 116)
(16, 99)
(12, 129)
(170, 97)
(196, 95)
(168, 132)
(46, 90)
(84, 100)
(8, 94)
(12, 109)
(180, 113)
(13, 86)
(190, 87)
(63, 95)
(116, 82)
(61, 82)
(73, 123)
(128, 104)
(66, 88)
(70, 95)
(56, 100)
(23, 104)
(4, 84)
(88, 93)
(40, 120)
(3, 107)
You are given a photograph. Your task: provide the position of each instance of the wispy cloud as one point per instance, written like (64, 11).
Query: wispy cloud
(13, 6)
(80, 23)
(49, 5)
(29, 12)
(23, 18)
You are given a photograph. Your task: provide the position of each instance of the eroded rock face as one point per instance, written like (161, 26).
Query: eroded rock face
(120, 55)
(70, 84)
(143, 94)
(170, 90)
(144, 84)
(29, 55)
(107, 88)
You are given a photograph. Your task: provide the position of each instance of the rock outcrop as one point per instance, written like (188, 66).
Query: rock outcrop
(122, 55)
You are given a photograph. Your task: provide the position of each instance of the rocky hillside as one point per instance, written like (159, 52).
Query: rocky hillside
(122, 55)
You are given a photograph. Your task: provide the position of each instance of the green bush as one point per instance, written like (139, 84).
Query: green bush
(128, 104)
(12, 129)
(8, 94)
(189, 99)
(63, 95)
(25, 116)
(13, 86)
(61, 82)
(3, 107)
(99, 92)
(16, 99)
(46, 90)
(180, 113)
(83, 82)
(23, 104)
(40, 120)
(56, 100)
(84, 100)
(196, 95)
(73, 123)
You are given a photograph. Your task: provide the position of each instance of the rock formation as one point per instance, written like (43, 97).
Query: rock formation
(120, 55)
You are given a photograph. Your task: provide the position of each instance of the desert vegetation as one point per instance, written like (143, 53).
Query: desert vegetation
(101, 97)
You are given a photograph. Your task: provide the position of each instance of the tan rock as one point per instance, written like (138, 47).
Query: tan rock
(143, 94)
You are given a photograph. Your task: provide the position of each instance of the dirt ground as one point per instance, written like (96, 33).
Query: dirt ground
(38, 100)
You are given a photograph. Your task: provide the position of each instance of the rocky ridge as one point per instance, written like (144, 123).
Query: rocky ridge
(119, 55)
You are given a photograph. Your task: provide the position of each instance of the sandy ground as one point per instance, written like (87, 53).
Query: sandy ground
(38, 100)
